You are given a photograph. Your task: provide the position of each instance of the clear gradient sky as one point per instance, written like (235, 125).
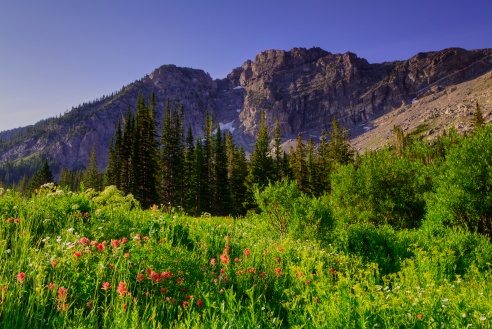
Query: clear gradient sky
(55, 54)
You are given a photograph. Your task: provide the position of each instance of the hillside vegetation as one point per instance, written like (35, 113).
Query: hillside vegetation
(399, 238)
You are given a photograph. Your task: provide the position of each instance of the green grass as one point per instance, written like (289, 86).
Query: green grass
(163, 269)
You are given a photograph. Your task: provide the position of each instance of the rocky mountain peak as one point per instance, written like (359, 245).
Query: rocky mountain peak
(303, 88)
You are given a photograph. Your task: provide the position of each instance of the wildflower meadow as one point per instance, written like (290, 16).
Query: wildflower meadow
(95, 260)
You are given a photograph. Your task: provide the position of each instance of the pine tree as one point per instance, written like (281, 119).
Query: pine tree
(220, 181)
(118, 156)
(207, 198)
(42, 176)
(237, 174)
(311, 169)
(66, 179)
(261, 167)
(339, 149)
(189, 190)
(177, 163)
(145, 150)
(165, 176)
(111, 174)
(298, 165)
(324, 166)
(278, 152)
(200, 180)
(400, 140)
(93, 176)
(479, 119)
(126, 153)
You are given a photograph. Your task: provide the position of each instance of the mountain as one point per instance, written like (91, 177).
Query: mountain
(304, 88)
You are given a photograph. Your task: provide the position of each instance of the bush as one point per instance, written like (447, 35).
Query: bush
(293, 213)
(463, 195)
(382, 189)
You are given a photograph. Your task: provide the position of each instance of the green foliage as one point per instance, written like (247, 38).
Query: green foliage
(93, 177)
(293, 213)
(96, 260)
(463, 193)
(43, 176)
(261, 163)
(479, 119)
(376, 245)
(381, 189)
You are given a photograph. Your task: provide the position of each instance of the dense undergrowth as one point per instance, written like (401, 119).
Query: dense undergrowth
(397, 243)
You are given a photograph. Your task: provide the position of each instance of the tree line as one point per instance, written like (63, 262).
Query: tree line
(208, 173)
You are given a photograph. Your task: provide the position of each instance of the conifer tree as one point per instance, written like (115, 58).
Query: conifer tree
(237, 174)
(206, 198)
(324, 166)
(66, 179)
(311, 169)
(278, 152)
(93, 177)
(42, 176)
(188, 187)
(400, 140)
(261, 167)
(200, 180)
(220, 181)
(126, 153)
(479, 119)
(177, 159)
(165, 157)
(298, 165)
(339, 149)
(111, 174)
(145, 150)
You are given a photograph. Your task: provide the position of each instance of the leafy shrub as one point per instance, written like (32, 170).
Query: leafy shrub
(376, 244)
(291, 212)
(381, 189)
(463, 195)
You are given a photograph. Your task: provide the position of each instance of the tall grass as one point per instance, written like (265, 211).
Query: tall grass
(94, 260)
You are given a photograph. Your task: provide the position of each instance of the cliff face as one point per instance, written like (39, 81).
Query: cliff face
(304, 88)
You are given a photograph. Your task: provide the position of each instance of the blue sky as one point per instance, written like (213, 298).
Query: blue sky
(58, 54)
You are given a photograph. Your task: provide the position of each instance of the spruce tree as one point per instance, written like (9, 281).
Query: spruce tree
(188, 187)
(200, 180)
(311, 169)
(261, 167)
(220, 182)
(298, 164)
(93, 177)
(479, 119)
(324, 166)
(237, 174)
(144, 154)
(41, 177)
(126, 153)
(339, 149)
(278, 152)
(166, 148)
(66, 179)
(111, 173)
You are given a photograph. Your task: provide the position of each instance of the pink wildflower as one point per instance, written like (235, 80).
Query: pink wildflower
(121, 290)
(105, 286)
(21, 276)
